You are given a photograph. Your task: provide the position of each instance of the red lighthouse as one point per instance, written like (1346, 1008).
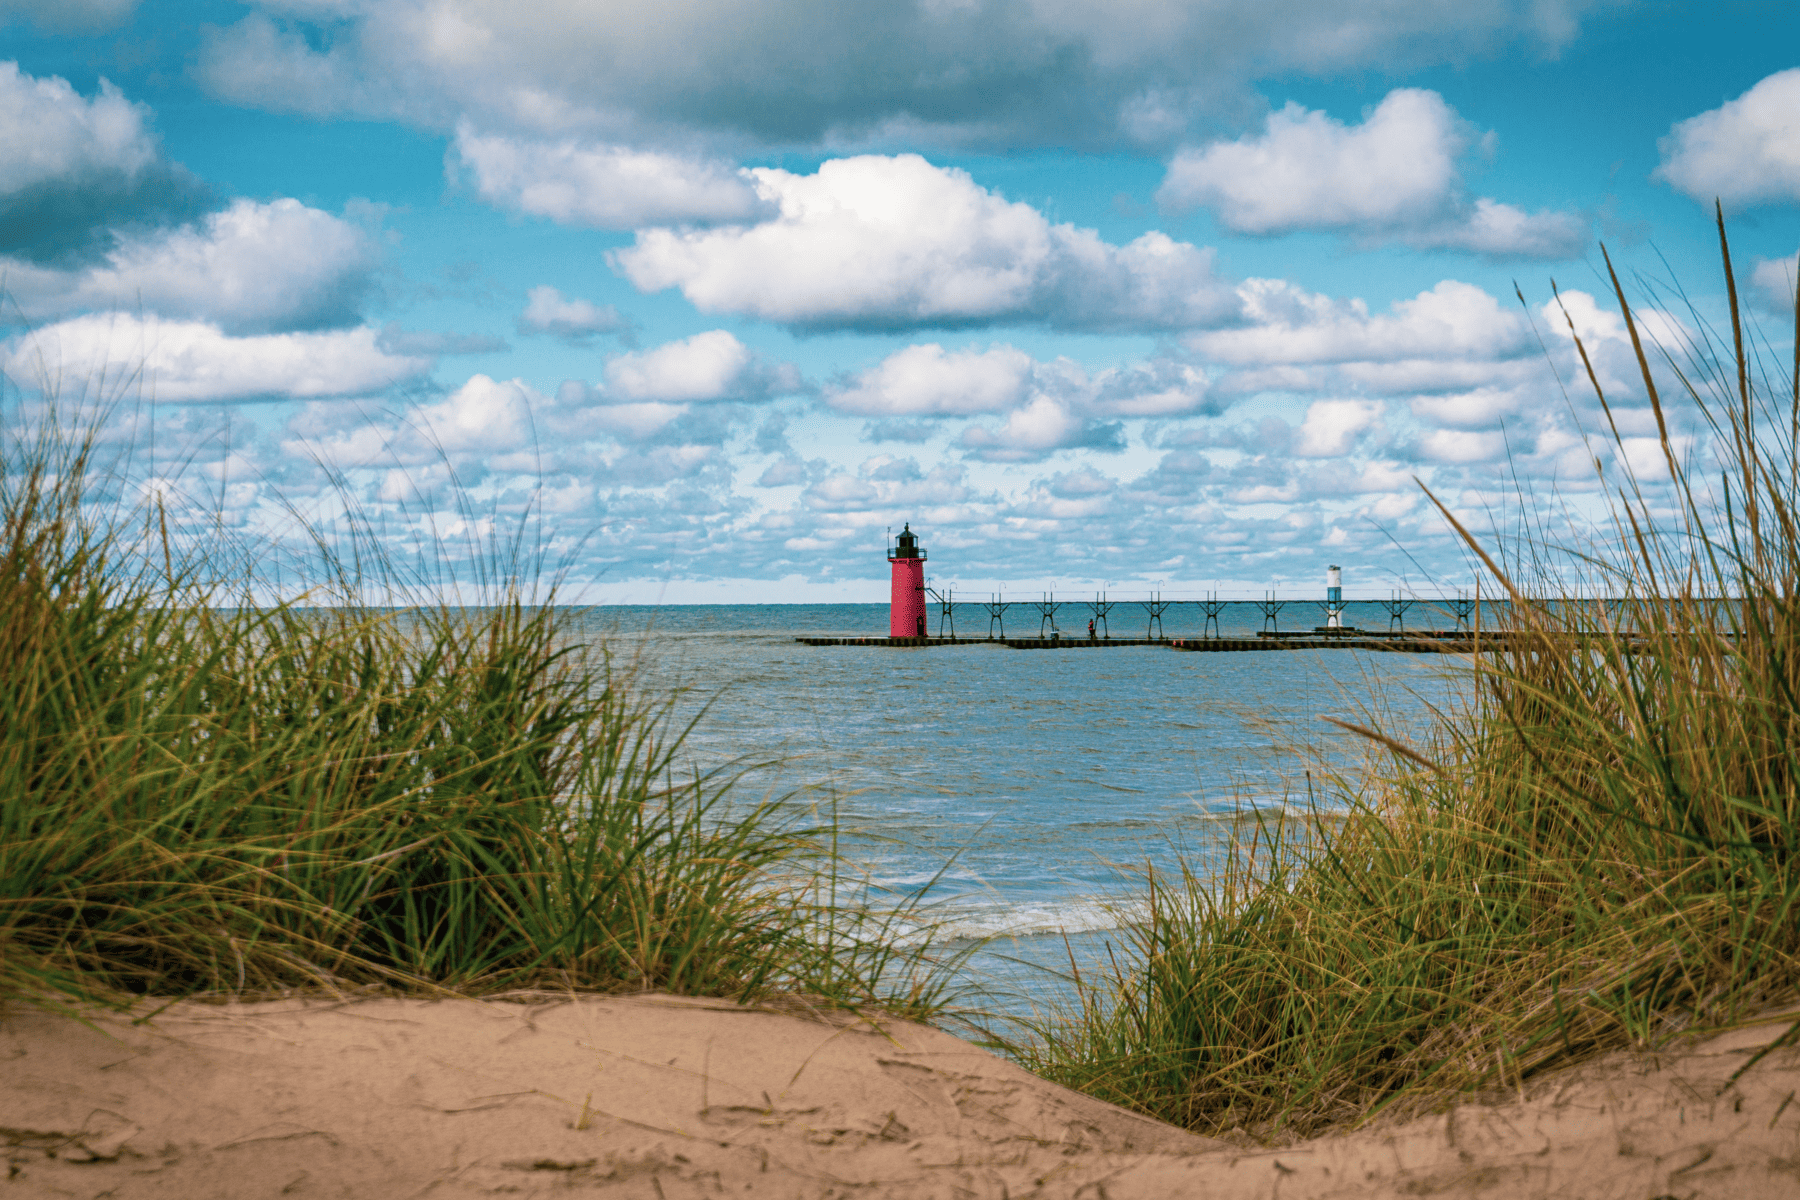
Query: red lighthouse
(906, 616)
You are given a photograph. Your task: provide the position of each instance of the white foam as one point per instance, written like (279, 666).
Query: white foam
(960, 919)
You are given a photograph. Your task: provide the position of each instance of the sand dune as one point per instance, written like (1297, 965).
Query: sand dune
(665, 1098)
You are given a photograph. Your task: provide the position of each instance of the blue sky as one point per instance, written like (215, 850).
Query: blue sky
(1190, 295)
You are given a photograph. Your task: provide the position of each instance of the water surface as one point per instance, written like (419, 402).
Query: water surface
(1042, 778)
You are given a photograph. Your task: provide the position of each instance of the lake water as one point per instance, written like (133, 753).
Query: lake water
(1042, 778)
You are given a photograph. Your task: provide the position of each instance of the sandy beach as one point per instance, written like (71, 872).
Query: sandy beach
(662, 1097)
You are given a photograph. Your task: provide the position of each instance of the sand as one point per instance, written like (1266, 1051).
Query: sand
(664, 1098)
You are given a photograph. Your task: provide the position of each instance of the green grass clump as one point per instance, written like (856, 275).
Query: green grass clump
(1598, 850)
(199, 795)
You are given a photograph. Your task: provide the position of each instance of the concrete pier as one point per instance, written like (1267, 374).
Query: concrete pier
(1415, 643)
(1433, 642)
(900, 643)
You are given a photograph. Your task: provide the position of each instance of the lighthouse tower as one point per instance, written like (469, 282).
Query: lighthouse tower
(1334, 597)
(906, 616)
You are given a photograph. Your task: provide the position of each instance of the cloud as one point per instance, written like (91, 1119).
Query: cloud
(667, 395)
(483, 419)
(1394, 177)
(1773, 280)
(1332, 427)
(508, 426)
(604, 186)
(1160, 387)
(75, 168)
(891, 243)
(1308, 171)
(549, 311)
(895, 430)
(586, 410)
(1038, 429)
(1072, 496)
(431, 344)
(885, 482)
(1500, 231)
(1078, 485)
(1608, 343)
(260, 63)
(1482, 408)
(192, 361)
(783, 472)
(1745, 152)
(926, 381)
(1179, 474)
(1287, 325)
(1462, 446)
(708, 366)
(771, 435)
(251, 268)
(814, 72)
(482, 416)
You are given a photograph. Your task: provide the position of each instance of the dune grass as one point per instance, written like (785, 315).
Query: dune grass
(204, 796)
(1598, 850)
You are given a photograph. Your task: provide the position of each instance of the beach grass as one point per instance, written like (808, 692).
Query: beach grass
(201, 795)
(1598, 849)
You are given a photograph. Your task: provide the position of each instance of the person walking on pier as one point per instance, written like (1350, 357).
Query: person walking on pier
(1091, 629)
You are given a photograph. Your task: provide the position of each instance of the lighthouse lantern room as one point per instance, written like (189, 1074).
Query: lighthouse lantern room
(906, 615)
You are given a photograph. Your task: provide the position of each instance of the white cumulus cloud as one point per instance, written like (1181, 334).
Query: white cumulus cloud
(880, 242)
(193, 361)
(51, 132)
(547, 310)
(72, 167)
(1462, 446)
(1481, 408)
(1745, 152)
(1309, 171)
(1158, 387)
(1395, 176)
(1044, 425)
(926, 380)
(1332, 427)
(483, 418)
(1454, 321)
(1495, 230)
(252, 267)
(483, 415)
(819, 72)
(884, 482)
(604, 186)
(708, 366)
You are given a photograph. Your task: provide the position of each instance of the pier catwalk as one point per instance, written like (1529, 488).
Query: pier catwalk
(909, 617)
(1432, 642)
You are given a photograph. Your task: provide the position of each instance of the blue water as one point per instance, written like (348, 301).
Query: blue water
(1031, 785)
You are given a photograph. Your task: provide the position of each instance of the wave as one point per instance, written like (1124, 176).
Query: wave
(953, 921)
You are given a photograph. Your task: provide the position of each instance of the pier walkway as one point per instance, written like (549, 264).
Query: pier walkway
(1429, 642)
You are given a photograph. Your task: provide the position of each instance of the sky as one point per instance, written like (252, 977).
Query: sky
(706, 299)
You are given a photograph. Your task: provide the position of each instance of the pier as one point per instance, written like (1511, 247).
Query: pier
(903, 643)
(1425, 642)
(909, 619)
